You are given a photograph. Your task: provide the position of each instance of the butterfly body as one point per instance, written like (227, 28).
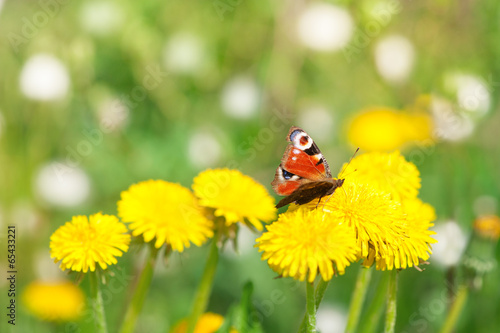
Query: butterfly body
(304, 174)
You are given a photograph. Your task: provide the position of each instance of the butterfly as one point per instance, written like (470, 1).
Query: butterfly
(304, 174)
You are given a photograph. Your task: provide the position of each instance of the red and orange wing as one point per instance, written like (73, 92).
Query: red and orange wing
(302, 162)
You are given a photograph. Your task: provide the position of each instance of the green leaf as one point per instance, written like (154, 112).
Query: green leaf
(242, 317)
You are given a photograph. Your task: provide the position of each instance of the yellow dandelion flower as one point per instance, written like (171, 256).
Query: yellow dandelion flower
(423, 211)
(54, 301)
(166, 212)
(377, 129)
(234, 196)
(385, 129)
(208, 323)
(377, 221)
(488, 226)
(388, 172)
(417, 240)
(416, 126)
(83, 242)
(304, 242)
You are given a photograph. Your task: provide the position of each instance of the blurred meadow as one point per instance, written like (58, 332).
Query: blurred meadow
(98, 95)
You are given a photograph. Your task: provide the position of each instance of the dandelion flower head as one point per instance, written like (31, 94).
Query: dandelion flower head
(207, 323)
(386, 129)
(165, 212)
(303, 243)
(85, 241)
(54, 301)
(388, 172)
(376, 220)
(234, 196)
(488, 226)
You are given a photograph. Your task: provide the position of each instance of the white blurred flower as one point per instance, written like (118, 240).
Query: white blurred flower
(1, 5)
(102, 17)
(325, 27)
(451, 242)
(25, 217)
(62, 185)
(319, 123)
(45, 268)
(448, 123)
(113, 114)
(485, 205)
(331, 319)
(184, 53)
(471, 91)
(394, 58)
(204, 150)
(241, 97)
(44, 78)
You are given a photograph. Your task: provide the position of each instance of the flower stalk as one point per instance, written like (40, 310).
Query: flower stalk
(310, 308)
(97, 303)
(140, 293)
(390, 316)
(319, 294)
(456, 309)
(358, 297)
(205, 287)
(376, 307)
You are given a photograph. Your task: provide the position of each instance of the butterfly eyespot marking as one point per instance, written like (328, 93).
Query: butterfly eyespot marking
(301, 140)
(287, 175)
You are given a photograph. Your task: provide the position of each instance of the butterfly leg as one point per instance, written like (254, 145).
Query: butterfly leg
(319, 200)
(327, 200)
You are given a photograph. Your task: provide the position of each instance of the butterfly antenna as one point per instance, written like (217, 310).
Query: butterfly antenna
(348, 163)
(350, 173)
(345, 190)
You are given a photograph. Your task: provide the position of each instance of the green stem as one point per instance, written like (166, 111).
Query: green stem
(205, 287)
(357, 299)
(377, 305)
(140, 292)
(310, 308)
(97, 303)
(390, 315)
(456, 309)
(320, 293)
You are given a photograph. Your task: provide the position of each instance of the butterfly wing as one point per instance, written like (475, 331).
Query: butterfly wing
(302, 162)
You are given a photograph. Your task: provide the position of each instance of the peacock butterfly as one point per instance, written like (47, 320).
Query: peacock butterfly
(303, 174)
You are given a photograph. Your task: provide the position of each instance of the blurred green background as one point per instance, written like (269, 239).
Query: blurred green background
(98, 95)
